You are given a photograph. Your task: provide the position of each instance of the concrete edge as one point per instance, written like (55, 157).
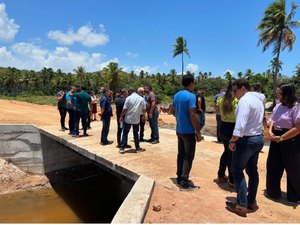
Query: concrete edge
(135, 206)
(102, 161)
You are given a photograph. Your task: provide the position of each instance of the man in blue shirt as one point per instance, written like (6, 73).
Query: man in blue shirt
(187, 130)
(71, 107)
(105, 114)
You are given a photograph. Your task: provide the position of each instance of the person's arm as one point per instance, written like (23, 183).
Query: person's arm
(60, 96)
(195, 123)
(289, 134)
(272, 136)
(199, 101)
(152, 107)
(124, 111)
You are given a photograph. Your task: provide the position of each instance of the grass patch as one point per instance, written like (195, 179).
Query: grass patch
(36, 99)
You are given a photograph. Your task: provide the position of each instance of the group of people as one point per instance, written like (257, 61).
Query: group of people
(241, 112)
(133, 108)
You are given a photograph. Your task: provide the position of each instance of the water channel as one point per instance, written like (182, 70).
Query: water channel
(82, 194)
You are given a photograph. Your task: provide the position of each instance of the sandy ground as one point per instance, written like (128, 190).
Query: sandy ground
(206, 205)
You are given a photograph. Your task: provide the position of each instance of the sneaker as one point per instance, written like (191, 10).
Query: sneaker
(75, 135)
(155, 142)
(121, 150)
(235, 208)
(188, 187)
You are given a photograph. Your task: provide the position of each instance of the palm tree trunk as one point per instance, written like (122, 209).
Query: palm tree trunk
(276, 71)
(182, 63)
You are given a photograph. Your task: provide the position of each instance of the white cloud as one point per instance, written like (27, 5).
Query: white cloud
(149, 69)
(84, 35)
(132, 54)
(30, 56)
(230, 71)
(8, 27)
(166, 64)
(193, 68)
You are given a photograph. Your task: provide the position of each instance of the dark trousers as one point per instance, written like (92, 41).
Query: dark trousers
(63, 113)
(282, 156)
(218, 119)
(105, 130)
(88, 120)
(185, 157)
(72, 121)
(153, 123)
(119, 132)
(83, 117)
(126, 130)
(226, 130)
(142, 128)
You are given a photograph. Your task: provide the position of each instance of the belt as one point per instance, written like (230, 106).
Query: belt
(280, 129)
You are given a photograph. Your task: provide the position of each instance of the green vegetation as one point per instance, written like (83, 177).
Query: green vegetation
(276, 29)
(41, 100)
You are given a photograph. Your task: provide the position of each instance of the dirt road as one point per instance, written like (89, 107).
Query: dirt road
(207, 205)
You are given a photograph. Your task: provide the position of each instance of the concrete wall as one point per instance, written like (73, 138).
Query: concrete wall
(32, 152)
(21, 145)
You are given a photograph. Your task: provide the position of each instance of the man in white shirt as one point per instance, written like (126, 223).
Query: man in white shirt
(134, 106)
(246, 143)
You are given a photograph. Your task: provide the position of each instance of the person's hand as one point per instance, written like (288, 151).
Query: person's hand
(121, 120)
(277, 139)
(272, 136)
(198, 136)
(143, 118)
(232, 146)
(150, 116)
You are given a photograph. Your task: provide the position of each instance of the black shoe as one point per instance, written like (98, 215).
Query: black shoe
(127, 146)
(106, 143)
(155, 142)
(150, 140)
(66, 128)
(142, 140)
(85, 135)
(188, 187)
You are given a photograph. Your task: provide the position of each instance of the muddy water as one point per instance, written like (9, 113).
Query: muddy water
(79, 195)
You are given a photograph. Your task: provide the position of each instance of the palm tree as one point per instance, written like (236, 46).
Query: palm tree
(275, 29)
(173, 76)
(179, 49)
(113, 71)
(81, 75)
(274, 65)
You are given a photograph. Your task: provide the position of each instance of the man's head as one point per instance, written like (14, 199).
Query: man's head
(240, 87)
(131, 90)
(188, 82)
(83, 88)
(106, 92)
(73, 88)
(124, 92)
(147, 89)
(141, 91)
(256, 87)
(202, 90)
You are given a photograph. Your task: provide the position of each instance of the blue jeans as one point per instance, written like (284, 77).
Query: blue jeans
(126, 129)
(153, 122)
(185, 157)
(105, 130)
(244, 157)
(201, 119)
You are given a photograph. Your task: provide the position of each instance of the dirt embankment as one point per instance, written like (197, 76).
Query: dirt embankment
(12, 179)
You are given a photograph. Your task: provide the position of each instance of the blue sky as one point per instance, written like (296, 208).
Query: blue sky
(138, 34)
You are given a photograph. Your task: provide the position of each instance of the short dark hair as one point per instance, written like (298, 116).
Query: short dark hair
(104, 90)
(149, 87)
(123, 91)
(257, 87)
(240, 83)
(131, 90)
(187, 80)
(83, 88)
(288, 94)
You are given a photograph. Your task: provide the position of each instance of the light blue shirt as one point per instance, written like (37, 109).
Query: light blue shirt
(249, 116)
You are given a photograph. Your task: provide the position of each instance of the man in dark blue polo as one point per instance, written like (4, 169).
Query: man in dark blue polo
(105, 115)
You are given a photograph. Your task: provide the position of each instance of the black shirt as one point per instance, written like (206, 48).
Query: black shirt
(119, 101)
(203, 106)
